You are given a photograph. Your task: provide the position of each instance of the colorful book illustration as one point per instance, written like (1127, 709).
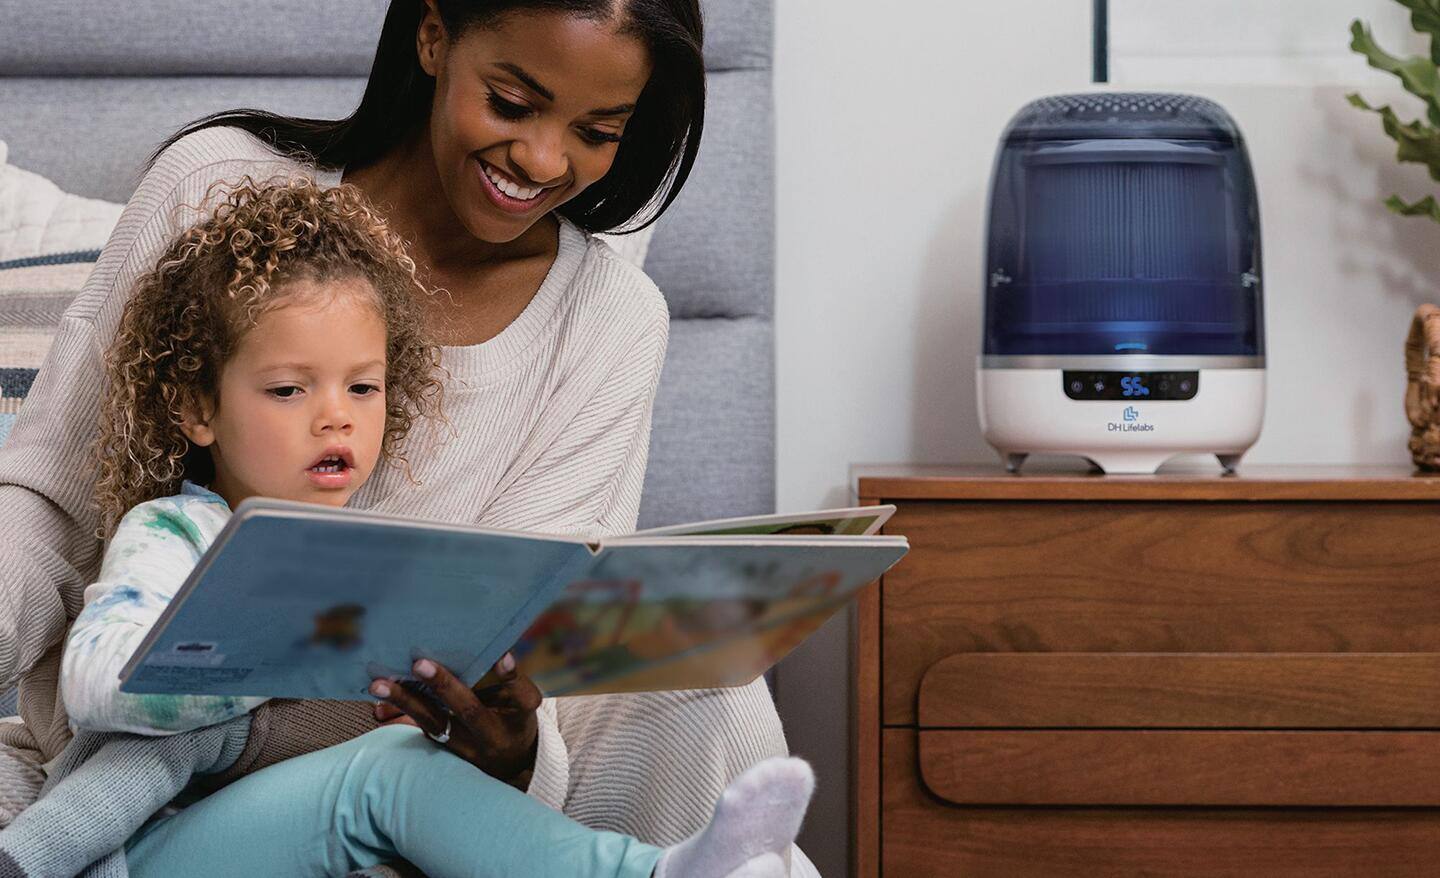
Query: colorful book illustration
(302, 601)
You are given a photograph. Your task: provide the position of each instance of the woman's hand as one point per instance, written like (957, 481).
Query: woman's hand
(493, 728)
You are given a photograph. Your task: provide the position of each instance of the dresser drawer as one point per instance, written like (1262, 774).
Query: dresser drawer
(1166, 729)
(1168, 768)
(927, 837)
(1188, 577)
(1227, 690)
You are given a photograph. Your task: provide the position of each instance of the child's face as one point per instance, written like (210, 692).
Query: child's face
(301, 408)
(538, 101)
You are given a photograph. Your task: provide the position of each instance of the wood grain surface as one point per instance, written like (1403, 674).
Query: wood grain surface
(865, 736)
(1187, 675)
(1182, 690)
(1229, 768)
(924, 837)
(1188, 484)
(1155, 577)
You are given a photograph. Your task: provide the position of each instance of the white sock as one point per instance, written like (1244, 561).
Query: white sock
(763, 866)
(758, 814)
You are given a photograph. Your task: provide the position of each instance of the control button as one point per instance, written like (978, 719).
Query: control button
(1099, 386)
(1077, 386)
(1186, 386)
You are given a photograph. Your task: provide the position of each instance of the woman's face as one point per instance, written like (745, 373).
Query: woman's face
(527, 113)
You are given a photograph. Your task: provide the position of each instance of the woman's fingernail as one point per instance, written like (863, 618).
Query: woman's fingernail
(507, 663)
(380, 689)
(425, 668)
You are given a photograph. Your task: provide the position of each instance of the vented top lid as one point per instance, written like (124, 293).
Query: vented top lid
(1122, 114)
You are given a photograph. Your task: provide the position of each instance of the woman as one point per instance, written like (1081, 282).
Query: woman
(495, 135)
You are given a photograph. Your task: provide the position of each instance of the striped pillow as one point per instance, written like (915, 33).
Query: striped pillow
(34, 292)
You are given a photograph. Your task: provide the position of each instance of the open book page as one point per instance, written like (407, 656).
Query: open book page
(694, 615)
(270, 508)
(855, 521)
(311, 602)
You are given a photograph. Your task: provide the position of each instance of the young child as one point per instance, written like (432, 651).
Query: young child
(278, 350)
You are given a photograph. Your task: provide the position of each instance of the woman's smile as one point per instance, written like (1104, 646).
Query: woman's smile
(509, 195)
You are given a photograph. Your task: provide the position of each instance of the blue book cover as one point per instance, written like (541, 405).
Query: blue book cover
(304, 601)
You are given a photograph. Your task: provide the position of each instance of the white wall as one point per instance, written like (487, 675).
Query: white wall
(1242, 41)
(1343, 274)
(887, 126)
(887, 123)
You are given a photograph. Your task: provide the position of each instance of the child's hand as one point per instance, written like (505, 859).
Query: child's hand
(493, 728)
(389, 715)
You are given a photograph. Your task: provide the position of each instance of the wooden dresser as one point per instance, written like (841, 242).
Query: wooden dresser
(1184, 674)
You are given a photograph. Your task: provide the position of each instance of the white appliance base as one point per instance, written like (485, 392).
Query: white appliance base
(1026, 411)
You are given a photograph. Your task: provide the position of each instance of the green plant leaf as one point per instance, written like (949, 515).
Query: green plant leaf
(1424, 207)
(1420, 76)
(1417, 142)
(1425, 19)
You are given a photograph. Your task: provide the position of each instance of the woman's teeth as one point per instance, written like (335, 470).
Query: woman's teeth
(519, 193)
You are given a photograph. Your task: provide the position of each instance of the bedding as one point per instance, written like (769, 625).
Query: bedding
(38, 218)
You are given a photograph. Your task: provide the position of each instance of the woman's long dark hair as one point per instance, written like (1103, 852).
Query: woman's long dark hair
(653, 160)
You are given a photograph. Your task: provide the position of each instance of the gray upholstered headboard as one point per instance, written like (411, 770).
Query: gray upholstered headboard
(88, 88)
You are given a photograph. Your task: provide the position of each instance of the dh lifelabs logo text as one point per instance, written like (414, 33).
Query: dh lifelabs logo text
(1131, 422)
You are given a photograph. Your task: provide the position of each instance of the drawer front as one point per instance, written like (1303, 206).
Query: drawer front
(1175, 768)
(925, 837)
(1038, 577)
(1227, 690)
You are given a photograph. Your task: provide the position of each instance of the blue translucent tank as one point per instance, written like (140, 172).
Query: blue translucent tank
(1123, 223)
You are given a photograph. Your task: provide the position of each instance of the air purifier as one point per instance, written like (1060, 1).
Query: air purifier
(1123, 305)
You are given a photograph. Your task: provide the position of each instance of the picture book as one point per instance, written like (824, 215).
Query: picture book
(302, 601)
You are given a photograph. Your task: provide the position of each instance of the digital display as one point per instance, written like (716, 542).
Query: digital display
(1131, 385)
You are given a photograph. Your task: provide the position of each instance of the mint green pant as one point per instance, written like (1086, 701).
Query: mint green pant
(388, 794)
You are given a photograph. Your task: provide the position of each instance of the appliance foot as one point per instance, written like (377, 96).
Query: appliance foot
(1229, 461)
(1013, 462)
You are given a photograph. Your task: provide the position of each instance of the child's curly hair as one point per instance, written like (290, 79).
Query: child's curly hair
(209, 288)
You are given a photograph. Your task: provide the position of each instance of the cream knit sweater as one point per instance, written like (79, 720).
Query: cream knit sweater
(551, 432)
